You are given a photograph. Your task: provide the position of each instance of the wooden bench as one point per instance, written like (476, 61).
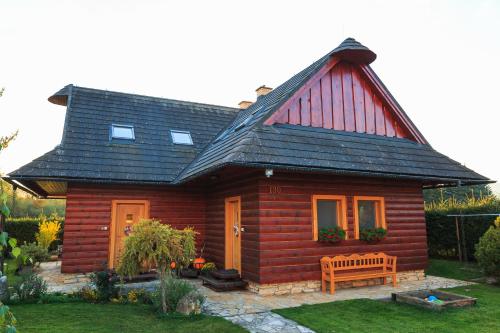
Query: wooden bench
(357, 267)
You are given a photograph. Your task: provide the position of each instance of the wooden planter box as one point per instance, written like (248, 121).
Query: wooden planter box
(418, 298)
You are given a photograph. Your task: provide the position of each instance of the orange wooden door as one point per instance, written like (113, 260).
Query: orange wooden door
(125, 214)
(233, 233)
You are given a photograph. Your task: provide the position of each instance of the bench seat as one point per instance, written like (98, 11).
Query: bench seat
(357, 267)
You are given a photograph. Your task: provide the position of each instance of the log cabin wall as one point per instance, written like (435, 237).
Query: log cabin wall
(88, 211)
(247, 188)
(287, 251)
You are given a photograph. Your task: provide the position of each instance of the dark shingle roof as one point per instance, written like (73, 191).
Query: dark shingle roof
(87, 152)
(225, 136)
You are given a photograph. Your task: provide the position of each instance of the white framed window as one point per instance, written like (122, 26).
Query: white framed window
(181, 137)
(122, 132)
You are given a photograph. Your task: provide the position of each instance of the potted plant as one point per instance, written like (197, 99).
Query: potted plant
(199, 262)
(372, 235)
(207, 268)
(331, 235)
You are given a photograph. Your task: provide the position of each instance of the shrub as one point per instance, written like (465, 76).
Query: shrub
(331, 235)
(441, 229)
(24, 229)
(88, 294)
(372, 234)
(176, 289)
(208, 267)
(31, 287)
(105, 284)
(153, 244)
(47, 233)
(33, 254)
(488, 250)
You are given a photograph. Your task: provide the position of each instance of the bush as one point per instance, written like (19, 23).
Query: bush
(47, 233)
(176, 289)
(488, 250)
(88, 294)
(105, 284)
(441, 229)
(33, 254)
(30, 288)
(24, 230)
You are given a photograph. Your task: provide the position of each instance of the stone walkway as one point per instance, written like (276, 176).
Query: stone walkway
(253, 311)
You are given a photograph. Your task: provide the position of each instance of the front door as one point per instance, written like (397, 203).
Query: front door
(125, 213)
(233, 233)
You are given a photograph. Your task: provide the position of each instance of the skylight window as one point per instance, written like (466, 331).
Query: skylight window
(122, 132)
(181, 137)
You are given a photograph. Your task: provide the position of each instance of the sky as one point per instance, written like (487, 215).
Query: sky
(440, 59)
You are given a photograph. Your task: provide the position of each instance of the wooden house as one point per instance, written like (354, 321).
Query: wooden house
(257, 182)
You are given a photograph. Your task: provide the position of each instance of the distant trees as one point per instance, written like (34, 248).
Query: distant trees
(458, 194)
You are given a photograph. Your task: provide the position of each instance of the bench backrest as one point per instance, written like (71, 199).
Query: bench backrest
(355, 261)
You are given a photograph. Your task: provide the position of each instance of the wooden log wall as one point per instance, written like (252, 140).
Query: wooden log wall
(88, 211)
(286, 249)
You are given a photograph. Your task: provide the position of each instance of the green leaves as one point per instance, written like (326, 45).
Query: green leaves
(16, 251)
(3, 239)
(4, 209)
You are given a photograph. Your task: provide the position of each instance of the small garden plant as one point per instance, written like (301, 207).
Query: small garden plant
(331, 235)
(372, 235)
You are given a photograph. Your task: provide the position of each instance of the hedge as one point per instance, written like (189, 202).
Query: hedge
(441, 230)
(24, 229)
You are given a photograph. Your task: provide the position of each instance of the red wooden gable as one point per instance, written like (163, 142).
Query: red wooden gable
(346, 97)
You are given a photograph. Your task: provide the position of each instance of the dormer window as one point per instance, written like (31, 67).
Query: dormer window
(181, 137)
(125, 132)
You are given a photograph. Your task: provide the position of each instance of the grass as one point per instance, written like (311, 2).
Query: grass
(364, 315)
(107, 318)
(454, 269)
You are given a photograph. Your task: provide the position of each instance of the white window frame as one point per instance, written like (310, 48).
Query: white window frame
(173, 132)
(113, 136)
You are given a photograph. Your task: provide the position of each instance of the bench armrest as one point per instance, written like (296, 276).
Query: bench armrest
(391, 262)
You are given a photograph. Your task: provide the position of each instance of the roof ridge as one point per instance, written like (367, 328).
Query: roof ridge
(149, 97)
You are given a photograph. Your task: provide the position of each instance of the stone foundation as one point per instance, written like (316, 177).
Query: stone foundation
(314, 285)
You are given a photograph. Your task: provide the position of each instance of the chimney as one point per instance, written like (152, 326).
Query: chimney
(263, 90)
(244, 104)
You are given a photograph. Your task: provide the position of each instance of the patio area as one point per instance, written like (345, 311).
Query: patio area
(251, 310)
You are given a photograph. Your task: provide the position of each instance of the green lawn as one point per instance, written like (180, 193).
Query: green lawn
(10, 269)
(372, 316)
(108, 318)
(454, 269)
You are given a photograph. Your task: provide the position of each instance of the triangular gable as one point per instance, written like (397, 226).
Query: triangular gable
(347, 97)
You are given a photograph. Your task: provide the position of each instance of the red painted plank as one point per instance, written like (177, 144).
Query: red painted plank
(389, 123)
(370, 110)
(337, 99)
(379, 116)
(359, 101)
(349, 118)
(294, 113)
(316, 113)
(305, 109)
(326, 101)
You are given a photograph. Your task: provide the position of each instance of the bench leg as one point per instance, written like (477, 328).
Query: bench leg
(385, 280)
(323, 286)
(394, 280)
(332, 287)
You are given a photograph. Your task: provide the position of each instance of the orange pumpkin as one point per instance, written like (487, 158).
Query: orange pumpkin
(198, 263)
(173, 265)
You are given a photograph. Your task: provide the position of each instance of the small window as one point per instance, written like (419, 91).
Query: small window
(181, 137)
(328, 211)
(369, 213)
(122, 132)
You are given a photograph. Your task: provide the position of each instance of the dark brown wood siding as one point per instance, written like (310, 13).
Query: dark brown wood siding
(88, 213)
(287, 251)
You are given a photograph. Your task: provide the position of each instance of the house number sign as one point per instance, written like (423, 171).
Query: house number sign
(274, 189)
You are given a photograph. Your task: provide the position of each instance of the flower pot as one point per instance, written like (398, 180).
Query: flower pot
(198, 263)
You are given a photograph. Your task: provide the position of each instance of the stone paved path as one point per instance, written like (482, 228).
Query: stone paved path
(253, 311)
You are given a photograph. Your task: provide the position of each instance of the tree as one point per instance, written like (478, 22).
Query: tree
(456, 193)
(156, 245)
